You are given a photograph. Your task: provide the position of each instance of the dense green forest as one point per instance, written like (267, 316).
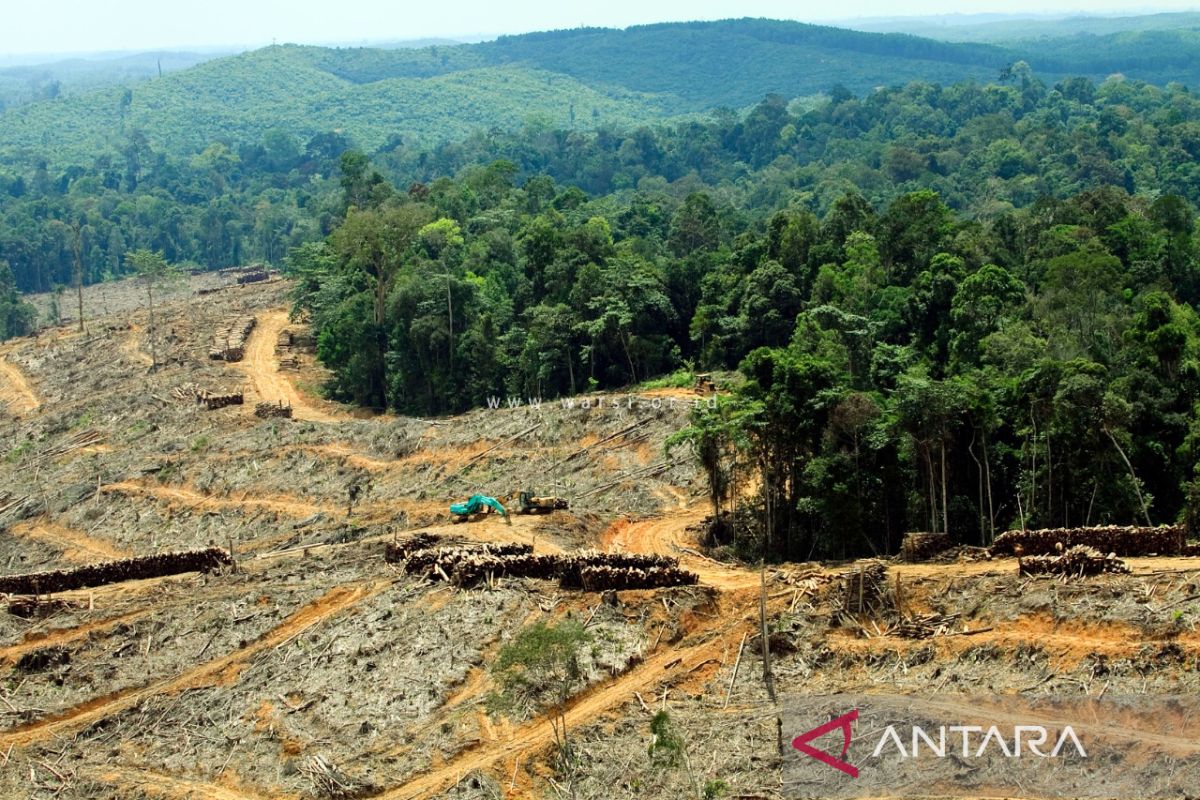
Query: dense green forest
(987, 149)
(905, 367)
(580, 79)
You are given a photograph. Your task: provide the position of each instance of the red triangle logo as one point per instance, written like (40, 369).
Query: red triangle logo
(801, 743)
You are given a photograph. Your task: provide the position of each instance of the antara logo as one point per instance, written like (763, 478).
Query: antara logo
(989, 741)
(801, 743)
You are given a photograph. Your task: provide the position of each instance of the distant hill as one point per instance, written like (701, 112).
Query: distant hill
(1004, 29)
(26, 83)
(582, 79)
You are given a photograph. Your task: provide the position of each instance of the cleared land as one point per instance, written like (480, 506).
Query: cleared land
(317, 661)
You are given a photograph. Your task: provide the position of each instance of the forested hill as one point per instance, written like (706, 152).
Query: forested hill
(576, 79)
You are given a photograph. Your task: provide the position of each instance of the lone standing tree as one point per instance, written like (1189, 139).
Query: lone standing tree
(153, 272)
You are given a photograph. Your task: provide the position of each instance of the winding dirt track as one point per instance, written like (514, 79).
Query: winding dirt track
(539, 733)
(218, 671)
(668, 535)
(267, 382)
(15, 390)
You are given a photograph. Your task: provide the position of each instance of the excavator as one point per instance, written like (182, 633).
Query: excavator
(478, 504)
(529, 503)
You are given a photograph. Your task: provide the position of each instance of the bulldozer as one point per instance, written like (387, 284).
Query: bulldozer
(478, 504)
(529, 503)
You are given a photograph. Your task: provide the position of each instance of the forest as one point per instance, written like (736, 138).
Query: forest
(952, 308)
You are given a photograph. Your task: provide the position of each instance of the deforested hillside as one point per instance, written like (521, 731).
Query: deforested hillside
(284, 606)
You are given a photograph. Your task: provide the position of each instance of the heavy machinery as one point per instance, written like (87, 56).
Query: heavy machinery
(529, 503)
(478, 504)
(705, 383)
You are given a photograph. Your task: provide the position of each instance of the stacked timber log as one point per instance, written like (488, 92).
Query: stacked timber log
(429, 562)
(257, 276)
(601, 578)
(476, 569)
(229, 339)
(1075, 562)
(273, 411)
(865, 589)
(571, 576)
(1121, 540)
(1192, 550)
(304, 342)
(923, 626)
(290, 341)
(214, 401)
(468, 566)
(395, 552)
(115, 571)
(924, 546)
(191, 392)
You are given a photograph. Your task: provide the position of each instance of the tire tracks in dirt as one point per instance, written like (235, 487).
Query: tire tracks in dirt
(152, 783)
(76, 546)
(282, 504)
(220, 671)
(267, 382)
(15, 389)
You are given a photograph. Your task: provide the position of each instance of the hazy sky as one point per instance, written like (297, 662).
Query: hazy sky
(60, 26)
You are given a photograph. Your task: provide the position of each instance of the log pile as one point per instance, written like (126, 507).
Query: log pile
(191, 392)
(290, 341)
(1192, 550)
(601, 578)
(257, 276)
(924, 626)
(304, 342)
(214, 401)
(229, 340)
(865, 590)
(1075, 562)
(924, 546)
(476, 569)
(571, 575)
(273, 411)
(127, 569)
(441, 561)
(395, 552)
(468, 566)
(1122, 540)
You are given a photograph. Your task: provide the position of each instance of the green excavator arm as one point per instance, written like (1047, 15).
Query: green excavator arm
(477, 504)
